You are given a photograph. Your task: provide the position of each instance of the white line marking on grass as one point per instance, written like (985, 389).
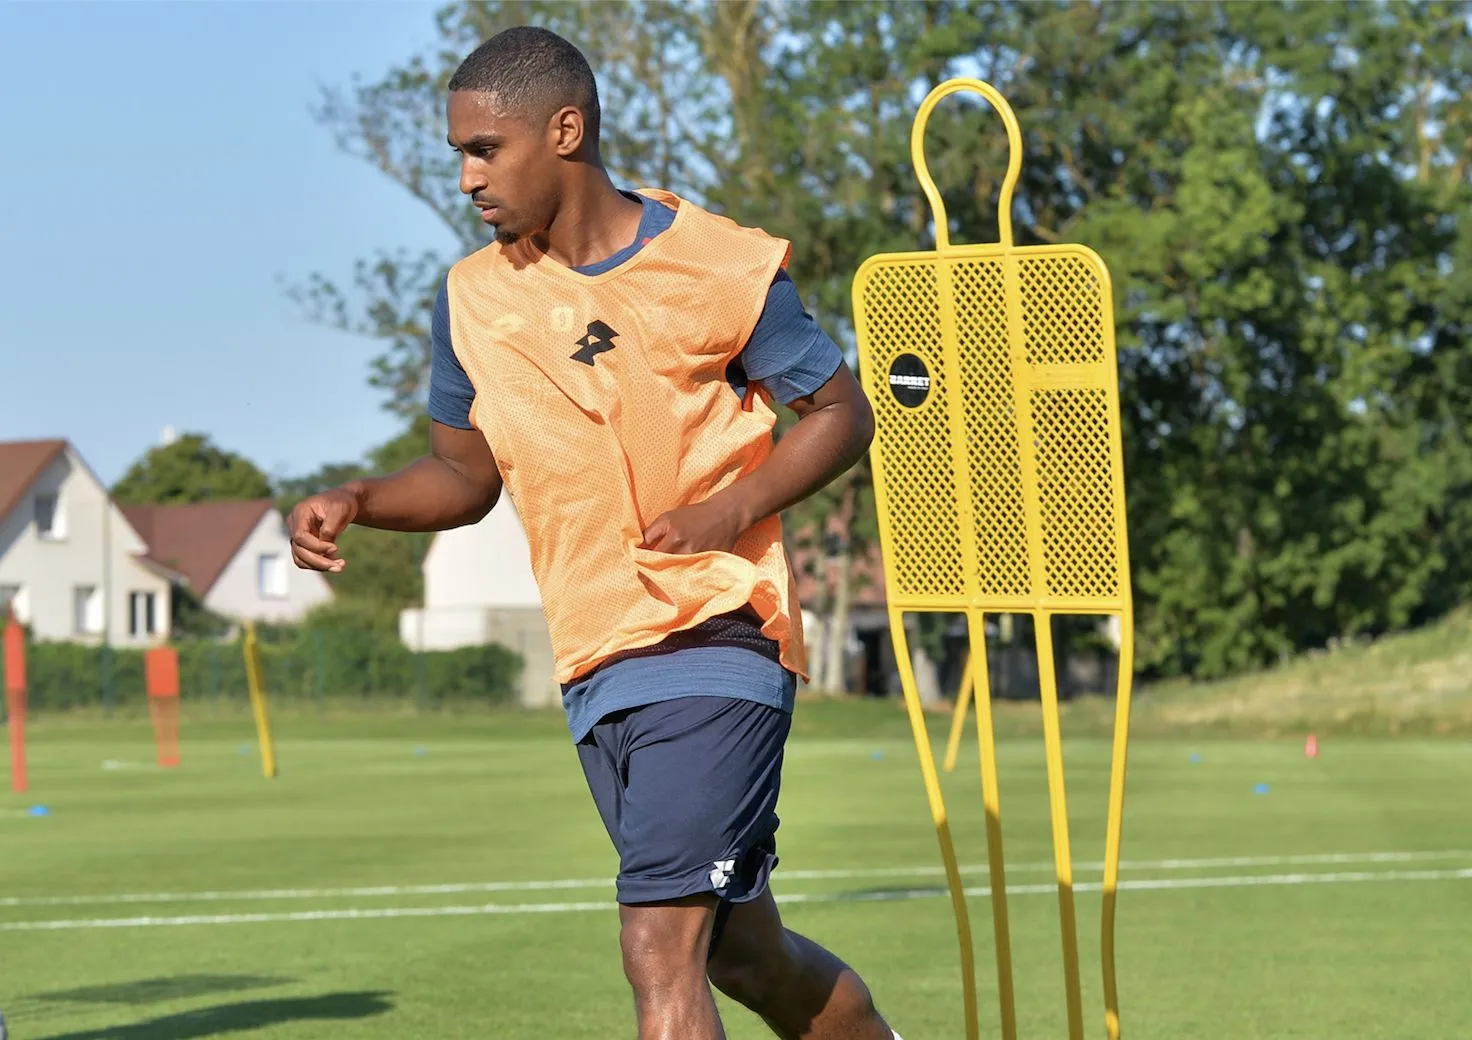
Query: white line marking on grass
(1145, 885)
(855, 873)
(352, 914)
(310, 893)
(488, 909)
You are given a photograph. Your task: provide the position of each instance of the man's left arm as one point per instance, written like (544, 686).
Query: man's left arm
(834, 427)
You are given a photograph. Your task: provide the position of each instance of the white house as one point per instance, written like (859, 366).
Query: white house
(234, 556)
(71, 565)
(479, 588)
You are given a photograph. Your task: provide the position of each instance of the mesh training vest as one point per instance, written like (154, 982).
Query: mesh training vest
(604, 399)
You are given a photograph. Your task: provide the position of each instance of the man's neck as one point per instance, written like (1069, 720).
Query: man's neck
(595, 221)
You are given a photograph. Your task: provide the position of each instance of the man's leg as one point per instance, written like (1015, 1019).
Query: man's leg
(664, 941)
(800, 990)
(696, 786)
(665, 947)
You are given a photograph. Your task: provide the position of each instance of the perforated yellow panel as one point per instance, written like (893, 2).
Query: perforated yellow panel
(998, 504)
(999, 482)
(927, 536)
(1017, 353)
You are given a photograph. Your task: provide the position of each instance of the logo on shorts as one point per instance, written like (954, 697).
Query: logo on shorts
(720, 874)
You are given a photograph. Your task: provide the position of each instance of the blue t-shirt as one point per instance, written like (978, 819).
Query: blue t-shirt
(792, 357)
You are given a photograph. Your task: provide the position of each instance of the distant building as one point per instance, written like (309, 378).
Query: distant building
(72, 566)
(479, 588)
(234, 556)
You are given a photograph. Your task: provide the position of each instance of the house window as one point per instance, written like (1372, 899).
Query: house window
(50, 523)
(141, 616)
(12, 597)
(271, 576)
(87, 610)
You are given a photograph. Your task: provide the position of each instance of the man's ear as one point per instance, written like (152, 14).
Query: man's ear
(568, 131)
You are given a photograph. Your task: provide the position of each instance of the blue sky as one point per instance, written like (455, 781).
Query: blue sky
(161, 181)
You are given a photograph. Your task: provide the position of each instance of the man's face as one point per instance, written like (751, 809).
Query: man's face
(509, 163)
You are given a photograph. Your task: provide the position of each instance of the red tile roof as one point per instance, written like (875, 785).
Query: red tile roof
(199, 539)
(21, 463)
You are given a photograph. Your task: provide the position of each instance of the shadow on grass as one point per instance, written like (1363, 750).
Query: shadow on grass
(142, 992)
(242, 1017)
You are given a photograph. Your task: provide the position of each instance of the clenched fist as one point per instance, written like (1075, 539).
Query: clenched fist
(315, 524)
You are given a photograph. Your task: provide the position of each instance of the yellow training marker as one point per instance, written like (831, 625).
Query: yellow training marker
(258, 701)
(958, 717)
(999, 482)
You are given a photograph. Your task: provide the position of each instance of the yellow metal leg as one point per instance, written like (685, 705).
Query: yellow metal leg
(258, 702)
(1116, 820)
(958, 719)
(1058, 803)
(991, 798)
(942, 825)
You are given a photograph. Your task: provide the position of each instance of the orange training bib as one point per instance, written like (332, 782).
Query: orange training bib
(605, 401)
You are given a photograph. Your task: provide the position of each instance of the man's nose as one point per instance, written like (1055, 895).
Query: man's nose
(472, 177)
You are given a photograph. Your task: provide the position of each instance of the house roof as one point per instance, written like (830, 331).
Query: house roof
(21, 463)
(197, 539)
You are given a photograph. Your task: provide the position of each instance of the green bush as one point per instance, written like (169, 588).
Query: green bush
(305, 662)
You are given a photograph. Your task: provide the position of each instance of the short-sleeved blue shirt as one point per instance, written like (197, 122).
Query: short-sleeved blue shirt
(792, 357)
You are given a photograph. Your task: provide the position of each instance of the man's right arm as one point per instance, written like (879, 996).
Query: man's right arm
(456, 484)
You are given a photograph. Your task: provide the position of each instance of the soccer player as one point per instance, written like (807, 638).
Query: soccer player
(609, 360)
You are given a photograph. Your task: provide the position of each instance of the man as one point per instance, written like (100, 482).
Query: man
(609, 360)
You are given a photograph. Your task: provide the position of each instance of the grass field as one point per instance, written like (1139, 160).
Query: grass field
(448, 878)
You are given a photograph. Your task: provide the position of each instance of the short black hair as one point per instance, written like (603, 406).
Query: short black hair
(534, 70)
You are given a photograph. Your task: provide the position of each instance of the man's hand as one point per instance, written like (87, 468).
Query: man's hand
(833, 430)
(315, 524)
(714, 524)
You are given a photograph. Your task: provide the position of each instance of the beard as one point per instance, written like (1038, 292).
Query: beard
(507, 238)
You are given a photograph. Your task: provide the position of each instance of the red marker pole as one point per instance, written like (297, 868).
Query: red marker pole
(15, 701)
(161, 671)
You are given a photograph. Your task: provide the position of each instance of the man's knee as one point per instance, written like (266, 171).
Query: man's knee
(664, 946)
(748, 973)
(786, 977)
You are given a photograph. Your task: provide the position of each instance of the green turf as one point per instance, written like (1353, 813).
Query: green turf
(500, 798)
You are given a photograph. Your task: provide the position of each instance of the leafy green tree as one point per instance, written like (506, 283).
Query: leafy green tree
(191, 469)
(1281, 191)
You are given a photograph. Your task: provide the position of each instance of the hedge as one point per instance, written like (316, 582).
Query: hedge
(296, 664)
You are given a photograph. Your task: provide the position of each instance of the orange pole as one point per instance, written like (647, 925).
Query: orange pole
(15, 701)
(161, 673)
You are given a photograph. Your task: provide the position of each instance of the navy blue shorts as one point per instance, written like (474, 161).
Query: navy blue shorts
(687, 789)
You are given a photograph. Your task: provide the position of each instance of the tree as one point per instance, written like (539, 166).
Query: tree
(1281, 190)
(190, 469)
